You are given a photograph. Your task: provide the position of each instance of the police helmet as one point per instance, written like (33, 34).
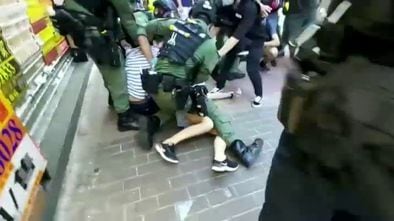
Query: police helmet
(165, 9)
(205, 10)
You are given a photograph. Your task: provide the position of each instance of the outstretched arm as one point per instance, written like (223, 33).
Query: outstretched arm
(124, 9)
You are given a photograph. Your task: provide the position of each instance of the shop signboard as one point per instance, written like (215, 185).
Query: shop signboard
(21, 166)
(9, 73)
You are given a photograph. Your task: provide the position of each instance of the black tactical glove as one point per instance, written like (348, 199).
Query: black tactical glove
(198, 95)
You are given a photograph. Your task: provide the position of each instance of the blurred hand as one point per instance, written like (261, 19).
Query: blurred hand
(153, 63)
(125, 44)
(265, 10)
(321, 15)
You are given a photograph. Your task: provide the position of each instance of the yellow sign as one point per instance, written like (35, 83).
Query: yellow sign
(21, 165)
(9, 73)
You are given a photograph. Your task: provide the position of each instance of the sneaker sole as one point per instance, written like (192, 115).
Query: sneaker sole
(161, 152)
(224, 169)
(258, 105)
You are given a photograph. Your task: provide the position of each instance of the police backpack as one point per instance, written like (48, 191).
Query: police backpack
(186, 37)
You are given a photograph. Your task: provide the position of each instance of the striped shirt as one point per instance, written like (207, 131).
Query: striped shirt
(135, 63)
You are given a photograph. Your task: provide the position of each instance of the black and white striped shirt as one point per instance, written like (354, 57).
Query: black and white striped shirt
(135, 63)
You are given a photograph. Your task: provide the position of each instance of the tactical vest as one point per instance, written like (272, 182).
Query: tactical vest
(186, 37)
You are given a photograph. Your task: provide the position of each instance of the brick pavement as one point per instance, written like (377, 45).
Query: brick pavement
(110, 178)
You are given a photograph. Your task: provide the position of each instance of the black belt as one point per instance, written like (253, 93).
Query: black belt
(170, 82)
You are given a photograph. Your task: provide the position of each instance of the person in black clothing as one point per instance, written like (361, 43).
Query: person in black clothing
(248, 33)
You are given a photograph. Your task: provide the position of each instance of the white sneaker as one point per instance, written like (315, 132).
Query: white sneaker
(257, 102)
(215, 90)
(218, 94)
(224, 166)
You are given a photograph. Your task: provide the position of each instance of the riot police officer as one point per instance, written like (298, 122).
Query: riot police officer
(140, 55)
(94, 27)
(335, 157)
(187, 58)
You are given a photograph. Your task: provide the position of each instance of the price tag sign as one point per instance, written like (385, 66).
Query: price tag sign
(21, 166)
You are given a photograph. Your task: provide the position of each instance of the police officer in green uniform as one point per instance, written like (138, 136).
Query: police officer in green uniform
(94, 26)
(335, 157)
(139, 55)
(187, 58)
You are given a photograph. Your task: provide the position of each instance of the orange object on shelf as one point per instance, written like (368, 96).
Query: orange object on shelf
(51, 56)
(62, 48)
(39, 25)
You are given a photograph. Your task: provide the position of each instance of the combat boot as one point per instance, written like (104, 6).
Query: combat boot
(127, 121)
(78, 55)
(150, 125)
(247, 154)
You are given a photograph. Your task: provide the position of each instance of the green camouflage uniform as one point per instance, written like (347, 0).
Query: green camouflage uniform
(114, 77)
(205, 58)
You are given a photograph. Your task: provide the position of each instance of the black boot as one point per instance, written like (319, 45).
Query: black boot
(127, 121)
(150, 125)
(247, 154)
(79, 55)
(263, 67)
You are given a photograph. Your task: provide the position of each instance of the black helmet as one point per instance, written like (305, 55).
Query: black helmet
(165, 9)
(205, 10)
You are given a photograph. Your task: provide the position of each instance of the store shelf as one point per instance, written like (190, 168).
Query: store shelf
(42, 87)
(30, 62)
(13, 21)
(15, 34)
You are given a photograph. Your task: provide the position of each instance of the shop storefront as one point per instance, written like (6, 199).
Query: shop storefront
(40, 82)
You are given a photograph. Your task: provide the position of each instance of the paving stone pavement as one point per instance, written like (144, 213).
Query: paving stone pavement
(110, 178)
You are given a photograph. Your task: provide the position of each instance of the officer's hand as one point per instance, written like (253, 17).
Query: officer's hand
(125, 44)
(321, 15)
(265, 10)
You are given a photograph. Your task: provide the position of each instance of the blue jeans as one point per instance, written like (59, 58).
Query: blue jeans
(297, 192)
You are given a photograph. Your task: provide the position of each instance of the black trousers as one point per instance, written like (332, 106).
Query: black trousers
(294, 194)
(255, 49)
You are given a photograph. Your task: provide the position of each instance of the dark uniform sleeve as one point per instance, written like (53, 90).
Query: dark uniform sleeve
(125, 9)
(249, 16)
